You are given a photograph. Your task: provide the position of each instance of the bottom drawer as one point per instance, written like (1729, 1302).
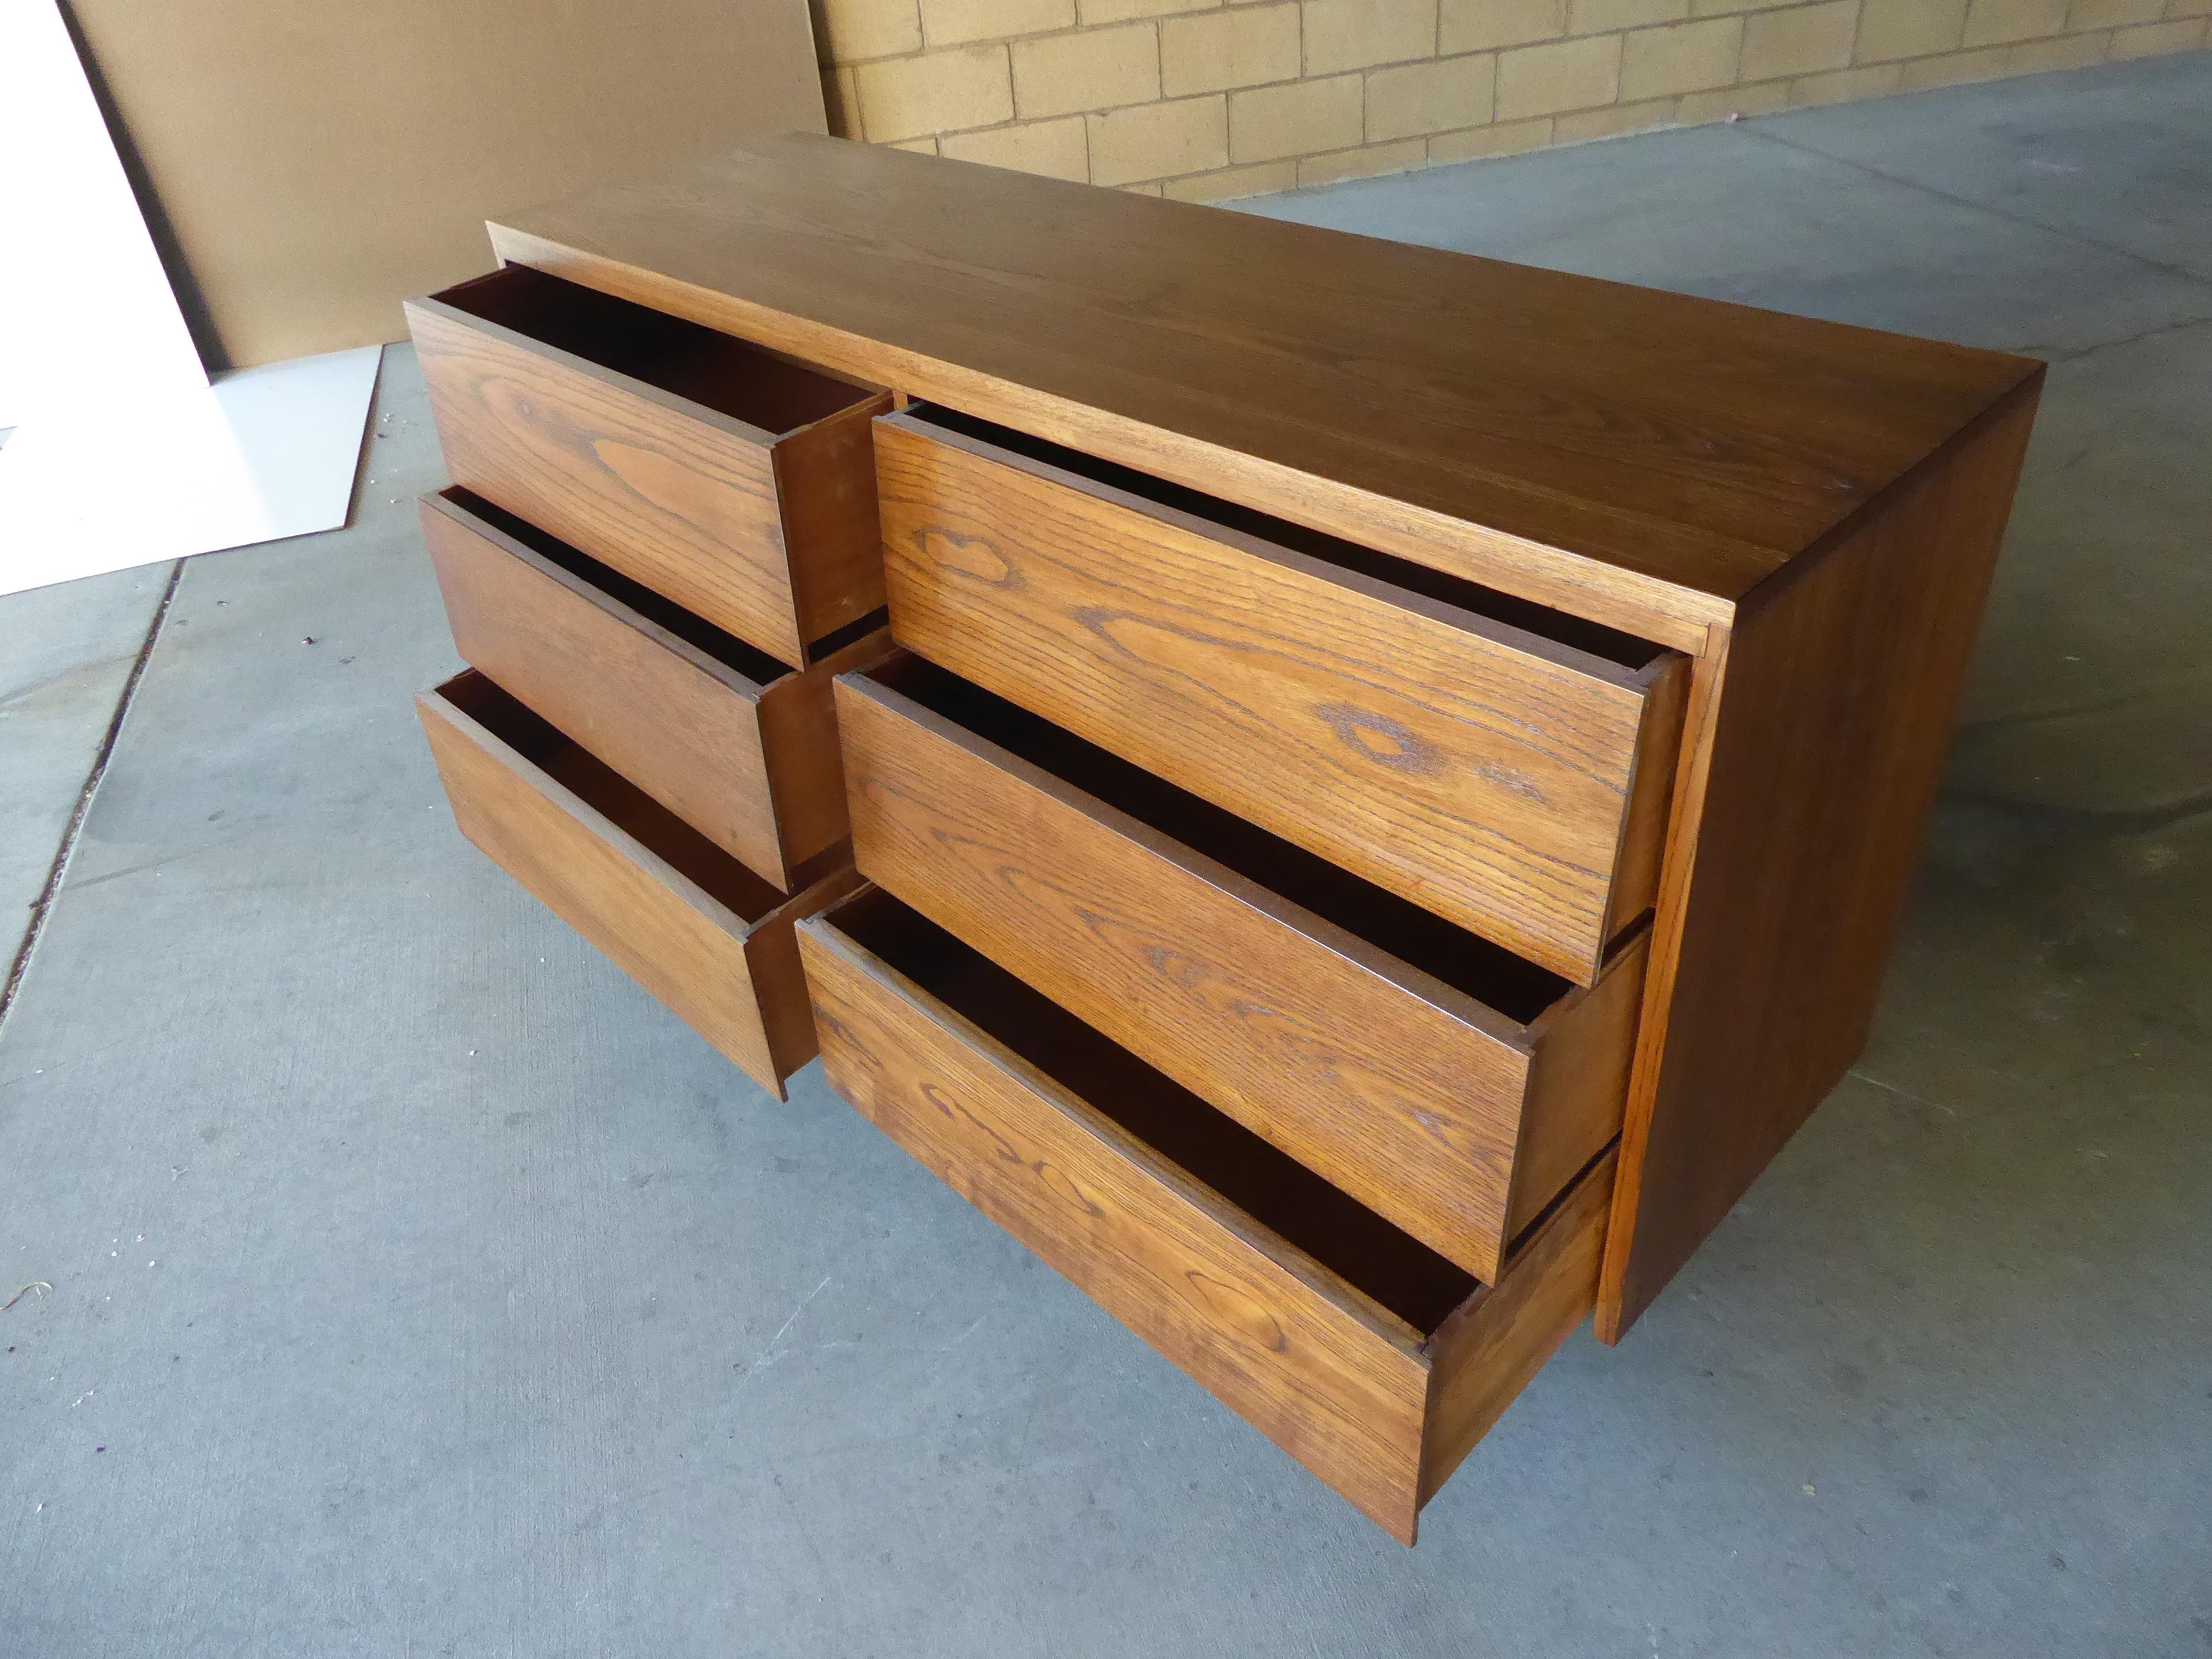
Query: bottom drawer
(683, 918)
(1362, 1352)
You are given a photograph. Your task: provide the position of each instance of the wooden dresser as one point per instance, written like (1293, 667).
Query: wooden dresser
(1389, 781)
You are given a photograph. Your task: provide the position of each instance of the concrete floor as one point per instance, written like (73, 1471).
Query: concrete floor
(421, 1287)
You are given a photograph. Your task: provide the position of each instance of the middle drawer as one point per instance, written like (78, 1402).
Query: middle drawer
(1444, 1083)
(1506, 766)
(739, 747)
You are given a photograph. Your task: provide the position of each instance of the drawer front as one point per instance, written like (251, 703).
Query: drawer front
(1502, 781)
(749, 760)
(679, 725)
(734, 978)
(1447, 1117)
(768, 536)
(1380, 1404)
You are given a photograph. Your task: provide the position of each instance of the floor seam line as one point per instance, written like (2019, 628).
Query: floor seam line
(2180, 272)
(42, 905)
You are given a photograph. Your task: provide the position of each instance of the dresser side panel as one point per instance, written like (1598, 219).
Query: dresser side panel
(1801, 827)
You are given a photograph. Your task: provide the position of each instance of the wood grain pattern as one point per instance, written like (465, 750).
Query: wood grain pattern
(1454, 1120)
(1480, 770)
(1647, 458)
(1584, 1048)
(694, 928)
(1318, 1367)
(679, 504)
(1650, 795)
(805, 765)
(709, 728)
(1809, 511)
(693, 501)
(1360, 1354)
(825, 480)
(1820, 728)
(1491, 1348)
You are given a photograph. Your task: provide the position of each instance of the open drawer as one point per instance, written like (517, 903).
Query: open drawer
(690, 924)
(1366, 1356)
(1507, 767)
(1438, 1078)
(739, 746)
(732, 479)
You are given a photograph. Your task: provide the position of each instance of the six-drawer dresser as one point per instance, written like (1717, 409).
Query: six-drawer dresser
(1349, 796)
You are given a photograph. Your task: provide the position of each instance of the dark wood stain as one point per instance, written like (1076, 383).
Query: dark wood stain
(694, 927)
(730, 479)
(1548, 434)
(1476, 768)
(1416, 1096)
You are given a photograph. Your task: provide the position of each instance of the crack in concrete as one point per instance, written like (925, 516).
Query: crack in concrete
(42, 905)
(2050, 353)
(2182, 272)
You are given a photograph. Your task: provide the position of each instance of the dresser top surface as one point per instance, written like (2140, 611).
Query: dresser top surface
(1668, 439)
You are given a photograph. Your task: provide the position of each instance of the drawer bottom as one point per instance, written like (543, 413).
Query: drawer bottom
(1368, 1356)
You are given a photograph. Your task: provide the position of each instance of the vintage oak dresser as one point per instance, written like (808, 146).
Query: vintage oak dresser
(1389, 778)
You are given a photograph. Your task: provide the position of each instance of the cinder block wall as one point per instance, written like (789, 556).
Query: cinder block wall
(1202, 100)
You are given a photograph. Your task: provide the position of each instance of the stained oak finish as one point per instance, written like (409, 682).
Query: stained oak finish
(739, 746)
(1443, 1083)
(691, 925)
(1820, 723)
(727, 477)
(1477, 767)
(1643, 457)
(1809, 511)
(1346, 1343)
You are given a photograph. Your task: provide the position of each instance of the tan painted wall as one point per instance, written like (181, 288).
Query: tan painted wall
(314, 162)
(1203, 100)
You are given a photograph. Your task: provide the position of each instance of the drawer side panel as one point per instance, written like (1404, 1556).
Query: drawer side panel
(1492, 1348)
(826, 480)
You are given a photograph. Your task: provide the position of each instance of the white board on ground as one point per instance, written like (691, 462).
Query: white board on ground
(123, 451)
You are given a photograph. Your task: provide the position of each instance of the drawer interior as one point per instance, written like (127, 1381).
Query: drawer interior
(1625, 650)
(1489, 973)
(1391, 1267)
(733, 376)
(614, 797)
(696, 631)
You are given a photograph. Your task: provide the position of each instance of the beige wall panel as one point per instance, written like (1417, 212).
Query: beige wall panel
(319, 161)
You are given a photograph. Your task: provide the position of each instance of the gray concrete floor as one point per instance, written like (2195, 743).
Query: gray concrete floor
(421, 1287)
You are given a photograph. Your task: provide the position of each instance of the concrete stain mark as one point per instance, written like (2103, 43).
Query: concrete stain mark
(167, 860)
(2104, 705)
(42, 905)
(2054, 822)
(56, 686)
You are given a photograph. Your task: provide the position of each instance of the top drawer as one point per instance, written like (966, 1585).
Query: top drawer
(727, 477)
(1506, 767)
